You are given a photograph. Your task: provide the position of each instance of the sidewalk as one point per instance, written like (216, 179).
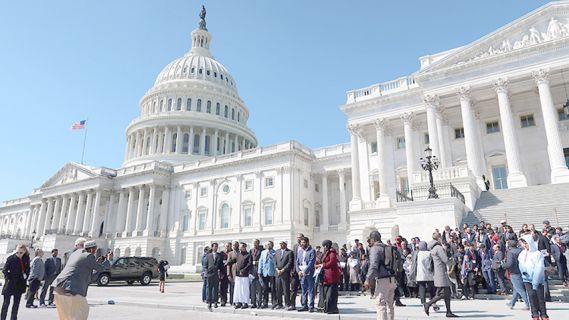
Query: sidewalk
(187, 296)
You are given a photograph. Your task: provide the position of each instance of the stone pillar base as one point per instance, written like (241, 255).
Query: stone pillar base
(356, 205)
(384, 201)
(323, 228)
(517, 180)
(560, 175)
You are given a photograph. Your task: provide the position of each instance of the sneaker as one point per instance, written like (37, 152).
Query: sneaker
(451, 315)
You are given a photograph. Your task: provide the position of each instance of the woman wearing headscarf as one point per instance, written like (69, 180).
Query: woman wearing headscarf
(532, 267)
(331, 278)
(423, 273)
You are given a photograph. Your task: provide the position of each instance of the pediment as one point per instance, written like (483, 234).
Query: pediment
(71, 172)
(545, 26)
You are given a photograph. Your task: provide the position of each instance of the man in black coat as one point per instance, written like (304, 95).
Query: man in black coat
(213, 269)
(295, 280)
(284, 262)
(256, 288)
(15, 271)
(52, 267)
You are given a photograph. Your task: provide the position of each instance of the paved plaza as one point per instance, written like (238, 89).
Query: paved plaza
(182, 301)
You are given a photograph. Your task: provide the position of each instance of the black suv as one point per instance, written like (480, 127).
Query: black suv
(129, 269)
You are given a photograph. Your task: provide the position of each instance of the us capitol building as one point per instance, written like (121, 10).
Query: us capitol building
(193, 172)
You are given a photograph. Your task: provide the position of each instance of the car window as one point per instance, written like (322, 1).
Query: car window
(132, 263)
(122, 262)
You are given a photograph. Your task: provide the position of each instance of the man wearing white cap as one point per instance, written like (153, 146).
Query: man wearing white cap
(72, 283)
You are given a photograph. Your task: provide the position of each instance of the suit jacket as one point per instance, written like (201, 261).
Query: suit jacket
(213, 264)
(255, 256)
(232, 264)
(308, 259)
(37, 270)
(267, 263)
(52, 268)
(284, 261)
(15, 284)
(76, 275)
(243, 264)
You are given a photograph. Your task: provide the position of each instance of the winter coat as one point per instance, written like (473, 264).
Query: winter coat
(440, 261)
(423, 265)
(331, 268)
(15, 284)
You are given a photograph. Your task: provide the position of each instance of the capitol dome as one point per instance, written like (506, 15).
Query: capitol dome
(192, 112)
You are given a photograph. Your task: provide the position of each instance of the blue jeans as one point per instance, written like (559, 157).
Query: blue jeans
(204, 289)
(489, 278)
(307, 298)
(519, 290)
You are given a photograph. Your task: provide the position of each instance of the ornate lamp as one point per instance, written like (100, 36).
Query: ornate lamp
(430, 163)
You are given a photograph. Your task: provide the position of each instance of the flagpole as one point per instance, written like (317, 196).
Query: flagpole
(84, 139)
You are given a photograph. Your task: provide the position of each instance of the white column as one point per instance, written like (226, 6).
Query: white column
(191, 144)
(236, 143)
(121, 213)
(343, 211)
(356, 203)
(140, 208)
(71, 212)
(325, 212)
(242, 144)
(441, 135)
(227, 146)
(79, 214)
(63, 215)
(95, 219)
(129, 212)
(167, 141)
(153, 141)
(110, 221)
(150, 215)
(559, 171)
(27, 222)
(431, 103)
(470, 136)
(41, 218)
(160, 142)
(383, 201)
(56, 214)
(179, 140)
(259, 203)
(215, 136)
(48, 215)
(139, 143)
(412, 159)
(144, 142)
(516, 177)
(88, 212)
(127, 148)
(163, 227)
(202, 142)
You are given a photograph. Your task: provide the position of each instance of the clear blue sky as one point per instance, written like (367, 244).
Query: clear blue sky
(64, 61)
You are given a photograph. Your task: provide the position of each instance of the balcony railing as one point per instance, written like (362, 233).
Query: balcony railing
(381, 89)
(444, 190)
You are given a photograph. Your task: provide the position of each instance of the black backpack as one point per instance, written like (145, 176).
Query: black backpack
(392, 261)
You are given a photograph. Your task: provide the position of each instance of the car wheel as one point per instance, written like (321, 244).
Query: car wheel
(146, 278)
(130, 282)
(103, 279)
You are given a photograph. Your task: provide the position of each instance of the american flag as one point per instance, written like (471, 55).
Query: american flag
(79, 125)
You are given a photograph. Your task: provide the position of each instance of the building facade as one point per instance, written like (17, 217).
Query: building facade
(491, 111)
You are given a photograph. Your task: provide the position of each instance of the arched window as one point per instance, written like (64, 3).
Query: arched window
(189, 104)
(217, 108)
(199, 106)
(196, 147)
(179, 104)
(207, 138)
(161, 105)
(224, 219)
(153, 106)
(232, 114)
(208, 107)
(174, 138)
(238, 116)
(186, 143)
(226, 111)
(148, 145)
(218, 144)
(170, 104)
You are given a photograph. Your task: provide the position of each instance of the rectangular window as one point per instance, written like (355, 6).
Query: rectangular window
(199, 105)
(268, 209)
(249, 185)
(179, 104)
(305, 183)
(269, 182)
(217, 109)
(185, 222)
(400, 143)
(202, 216)
(248, 216)
(373, 147)
(169, 104)
(316, 187)
(527, 121)
(492, 127)
(306, 216)
(203, 192)
(459, 133)
(500, 177)
(562, 115)
(426, 138)
(189, 104)
(226, 111)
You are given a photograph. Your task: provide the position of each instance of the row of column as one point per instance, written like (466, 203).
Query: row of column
(136, 210)
(172, 140)
(75, 213)
(325, 211)
(473, 141)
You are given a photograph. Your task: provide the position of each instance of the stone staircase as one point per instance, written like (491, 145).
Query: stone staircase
(529, 205)
(557, 290)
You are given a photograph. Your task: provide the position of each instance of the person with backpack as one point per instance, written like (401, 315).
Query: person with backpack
(163, 267)
(382, 265)
(441, 279)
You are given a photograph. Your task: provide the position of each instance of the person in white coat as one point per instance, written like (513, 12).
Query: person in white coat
(424, 274)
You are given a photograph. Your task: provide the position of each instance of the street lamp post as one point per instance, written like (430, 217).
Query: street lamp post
(33, 236)
(430, 163)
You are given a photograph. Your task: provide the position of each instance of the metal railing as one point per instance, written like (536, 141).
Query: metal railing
(444, 190)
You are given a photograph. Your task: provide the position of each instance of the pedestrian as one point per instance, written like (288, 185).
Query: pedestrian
(243, 270)
(511, 264)
(497, 261)
(52, 270)
(467, 276)
(295, 281)
(331, 278)
(213, 267)
(305, 263)
(441, 279)
(267, 274)
(15, 271)
(531, 264)
(224, 278)
(256, 293)
(486, 260)
(163, 267)
(72, 283)
(558, 252)
(384, 279)
(354, 267)
(204, 277)
(345, 272)
(284, 264)
(232, 270)
(37, 273)
(423, 273)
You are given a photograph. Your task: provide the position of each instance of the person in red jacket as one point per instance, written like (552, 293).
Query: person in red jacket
(331, 278)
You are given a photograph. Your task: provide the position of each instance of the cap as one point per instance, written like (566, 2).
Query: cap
(90, 244)
(545, 221)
